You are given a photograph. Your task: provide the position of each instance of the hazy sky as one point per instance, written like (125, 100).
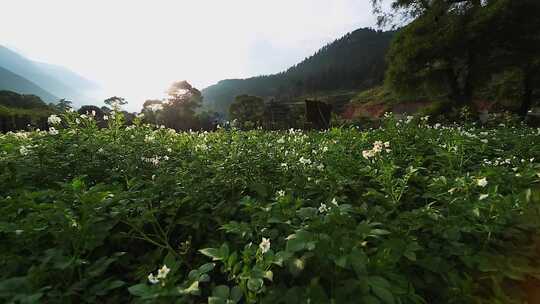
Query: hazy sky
(137, 48)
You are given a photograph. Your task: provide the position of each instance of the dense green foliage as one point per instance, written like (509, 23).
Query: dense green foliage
(18, 112)
(181, 110)
(247, 111)
(355, 61)
(460, 50)
(408, 213)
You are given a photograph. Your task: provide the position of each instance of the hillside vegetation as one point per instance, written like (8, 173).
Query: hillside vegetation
(354, 61)
(22, 112)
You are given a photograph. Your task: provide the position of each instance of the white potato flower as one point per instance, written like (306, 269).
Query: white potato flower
(264, 245)
(53, 131)
(54, 120)
(482, 182)
(152, 279)
(305, 161)
(24, 150)
(323, 208)
(367, 154)
(163, 272)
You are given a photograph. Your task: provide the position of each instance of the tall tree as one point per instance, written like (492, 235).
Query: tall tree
(152, 109)
(248, 111)
(179, 111)
(436, 54)
(115, 102)
(513, 42)
(401, 12)
(456, 45)
(63, 105)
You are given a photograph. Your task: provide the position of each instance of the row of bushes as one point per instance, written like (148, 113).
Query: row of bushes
(12, 119)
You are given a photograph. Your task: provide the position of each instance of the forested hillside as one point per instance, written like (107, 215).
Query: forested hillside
(19, 112)
(355, 61)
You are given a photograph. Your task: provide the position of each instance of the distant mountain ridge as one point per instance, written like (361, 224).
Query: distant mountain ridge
(56, 81)
(16, 83)
(355, 61)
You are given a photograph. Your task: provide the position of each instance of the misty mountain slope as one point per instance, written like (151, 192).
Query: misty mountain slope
(13, 82)
(68, 77)
(58, 81)
(355, 61)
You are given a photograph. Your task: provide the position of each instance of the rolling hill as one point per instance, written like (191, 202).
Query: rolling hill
(355, 61)
(58, 81)
(16, 83)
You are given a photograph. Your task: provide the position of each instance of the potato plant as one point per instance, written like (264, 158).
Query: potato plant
(410, 212)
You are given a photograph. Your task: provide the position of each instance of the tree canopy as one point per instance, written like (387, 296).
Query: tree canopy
(248, 111)
(454, 48)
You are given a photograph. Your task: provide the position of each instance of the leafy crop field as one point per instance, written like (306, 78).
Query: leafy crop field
(407, 213)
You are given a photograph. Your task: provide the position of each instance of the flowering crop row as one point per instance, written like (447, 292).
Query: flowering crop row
(406, 213)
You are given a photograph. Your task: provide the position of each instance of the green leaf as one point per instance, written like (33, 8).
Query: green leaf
(358, 260)
(369, 300)
(341, 261)
(214, 253)
(77, 184)
(295, 244)
(141, 290)
(280, 257)
(236, 294)
(299, 241)
(383, 294)
(206, 267)
(193, 288)
(100, 266)
(378, 232)
(307, 213)
(379, 281)
(380, 287)
(216, 300)
(411, 255)
(115, 284)
(221, 291)
(255, 284)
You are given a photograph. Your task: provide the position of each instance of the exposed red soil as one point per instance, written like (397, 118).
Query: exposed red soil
(371, 110)
(376, 110)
